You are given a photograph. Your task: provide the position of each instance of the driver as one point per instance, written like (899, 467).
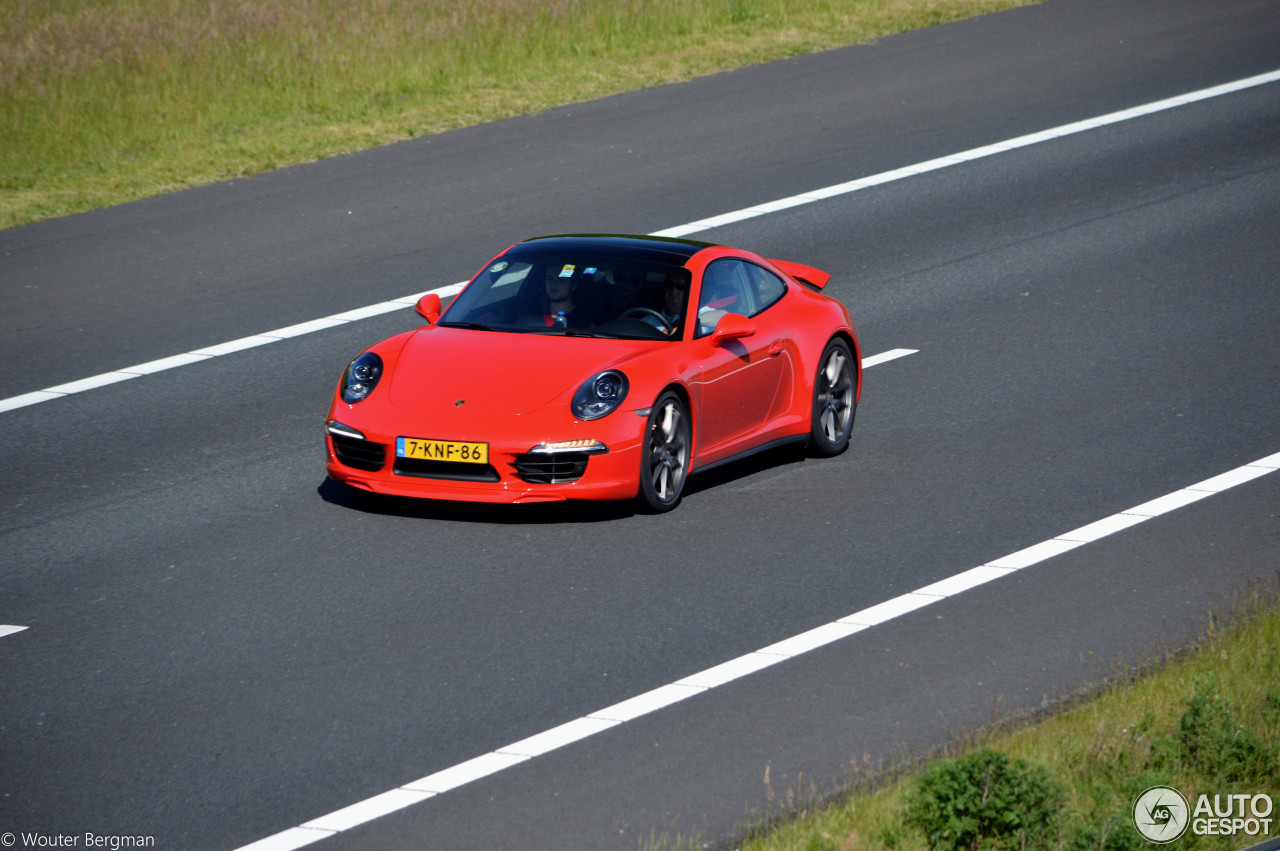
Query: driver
(666, 317)
(675, 294)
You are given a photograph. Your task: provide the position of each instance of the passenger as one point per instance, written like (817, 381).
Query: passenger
(559, 310)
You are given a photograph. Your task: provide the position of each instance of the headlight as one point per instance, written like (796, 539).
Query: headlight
(600, 395)
(361, 377)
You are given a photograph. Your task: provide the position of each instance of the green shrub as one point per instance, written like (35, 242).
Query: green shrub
(1212, 739)
(985, 801)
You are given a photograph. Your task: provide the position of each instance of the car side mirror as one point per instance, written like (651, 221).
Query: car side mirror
(429, 307)
(732, 326)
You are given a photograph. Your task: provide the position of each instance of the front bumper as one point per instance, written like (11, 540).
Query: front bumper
(519, 470)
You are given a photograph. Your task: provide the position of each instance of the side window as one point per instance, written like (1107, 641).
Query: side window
(725, 289)
(766, 286)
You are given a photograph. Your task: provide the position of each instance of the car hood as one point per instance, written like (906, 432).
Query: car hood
(498, 373)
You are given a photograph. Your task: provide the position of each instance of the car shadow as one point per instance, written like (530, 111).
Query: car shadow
(573, 511)
(578, 511)
(769, 459)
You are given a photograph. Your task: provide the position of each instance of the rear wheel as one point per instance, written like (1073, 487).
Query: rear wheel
(664, 462)
(834, 400)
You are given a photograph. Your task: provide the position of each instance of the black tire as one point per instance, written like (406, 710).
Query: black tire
(664, 457)
(834, 400)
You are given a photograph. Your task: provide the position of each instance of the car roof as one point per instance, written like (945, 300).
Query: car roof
(621, 246)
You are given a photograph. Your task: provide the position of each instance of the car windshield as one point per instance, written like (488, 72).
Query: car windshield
(575, 294)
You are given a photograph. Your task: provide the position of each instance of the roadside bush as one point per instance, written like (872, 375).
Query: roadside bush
(1212, 739)
(985, 802)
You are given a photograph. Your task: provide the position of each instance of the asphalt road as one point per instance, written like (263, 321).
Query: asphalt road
(221, 646)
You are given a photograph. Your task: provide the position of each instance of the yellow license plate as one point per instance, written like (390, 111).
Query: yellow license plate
(442, 450)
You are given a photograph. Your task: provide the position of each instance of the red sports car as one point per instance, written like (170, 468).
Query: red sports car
(598, 367)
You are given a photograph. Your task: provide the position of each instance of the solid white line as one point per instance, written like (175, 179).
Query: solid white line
(971, 578)
(218, 350)
(368, 810)
(812, 639)
(734, 669)
(291, 839)
(465, 772)
(889, 609)
(559, 737)
(91, 383)
(726, 672)
(9, 629)
(644, 704)
(1036, 554)
(720, 220)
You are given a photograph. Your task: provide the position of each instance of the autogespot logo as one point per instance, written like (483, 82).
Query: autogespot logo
(1160, 814)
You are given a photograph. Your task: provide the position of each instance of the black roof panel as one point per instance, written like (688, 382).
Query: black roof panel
(615, 245)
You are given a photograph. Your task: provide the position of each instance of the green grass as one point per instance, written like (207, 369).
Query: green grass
(104, 101)
(1206, 721)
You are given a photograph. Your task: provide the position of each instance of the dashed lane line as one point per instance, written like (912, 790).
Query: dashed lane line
(884, 357)
(893, 354)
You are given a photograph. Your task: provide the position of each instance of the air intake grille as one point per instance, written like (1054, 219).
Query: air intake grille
(542, 468)
(360, 454)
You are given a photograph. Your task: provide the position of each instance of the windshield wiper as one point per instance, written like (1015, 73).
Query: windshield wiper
(474, 326)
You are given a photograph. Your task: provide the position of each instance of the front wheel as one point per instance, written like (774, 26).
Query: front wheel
(664, 461)
(834, 400)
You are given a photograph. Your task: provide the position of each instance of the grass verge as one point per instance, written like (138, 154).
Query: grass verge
(105, 101)
(1203, 721)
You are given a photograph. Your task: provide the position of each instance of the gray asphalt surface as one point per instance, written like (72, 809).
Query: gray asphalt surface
(222, 645)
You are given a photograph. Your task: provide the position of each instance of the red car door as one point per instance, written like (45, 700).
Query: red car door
(738, 378)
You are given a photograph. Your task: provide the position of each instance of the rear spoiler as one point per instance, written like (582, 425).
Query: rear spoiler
(815, 278)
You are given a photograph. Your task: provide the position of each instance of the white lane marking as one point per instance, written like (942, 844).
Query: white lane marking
(726, 672)
(367, 810)
(9, 629)
(558, 737)
(767, 208)
(230, 347)
(892, 354)
(968, 156)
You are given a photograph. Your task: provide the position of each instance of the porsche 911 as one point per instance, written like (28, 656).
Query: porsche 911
(598, 367)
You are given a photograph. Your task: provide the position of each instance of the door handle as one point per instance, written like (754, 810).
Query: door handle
(775, 348)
